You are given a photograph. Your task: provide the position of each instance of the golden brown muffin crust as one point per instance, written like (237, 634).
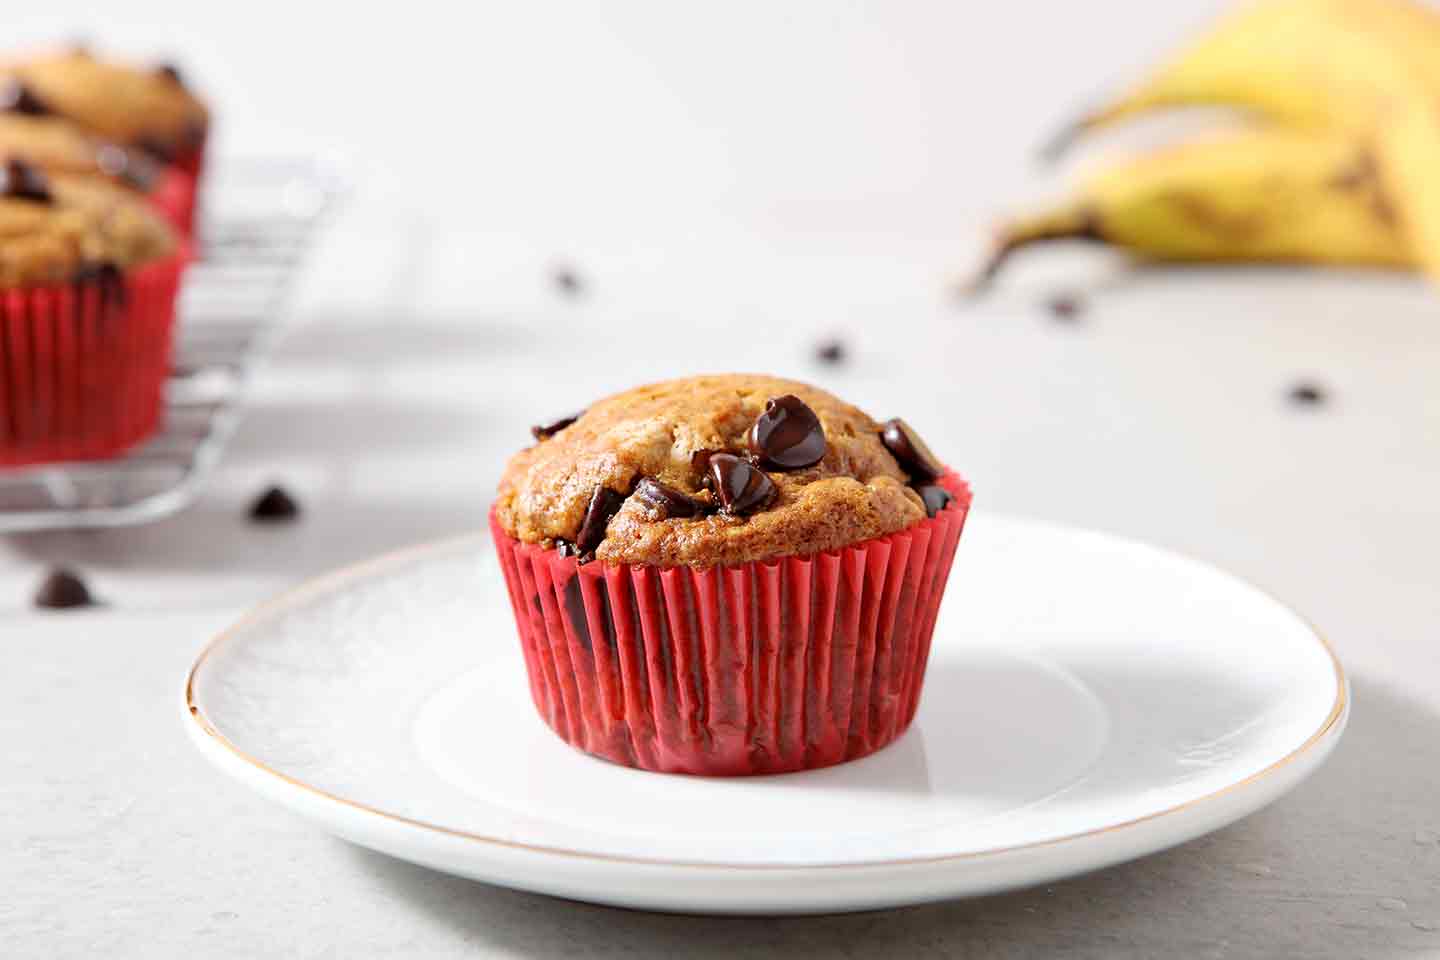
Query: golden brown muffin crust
(87, 222)
(855, 492)
(131, 105)
(59, 146)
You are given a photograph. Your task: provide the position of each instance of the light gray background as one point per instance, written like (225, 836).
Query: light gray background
(732, 183)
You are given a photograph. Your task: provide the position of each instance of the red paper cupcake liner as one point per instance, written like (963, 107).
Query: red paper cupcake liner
(759, 668)
(174, 196)
(83, 366)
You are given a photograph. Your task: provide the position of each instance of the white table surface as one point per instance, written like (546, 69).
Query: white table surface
(427, 340)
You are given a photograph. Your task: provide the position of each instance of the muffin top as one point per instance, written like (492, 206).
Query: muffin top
(716, 470)
(142, 107)
(58, 146)
(54, 229)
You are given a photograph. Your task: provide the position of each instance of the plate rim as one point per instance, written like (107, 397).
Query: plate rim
(204, 732)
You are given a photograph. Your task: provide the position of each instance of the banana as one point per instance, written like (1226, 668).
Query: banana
(1305, 64)
(1266, 194)
(1367, 69)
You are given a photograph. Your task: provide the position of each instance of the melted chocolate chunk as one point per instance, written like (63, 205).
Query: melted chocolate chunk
(548, 430)
(832, 353)
(565, 548)
(788, 435)
(23, 181)
(274, 506)
(741, 486)
(62, 589)
(912, 453)
(935, 498)
(171, 73)
(666, 502)
(604, 504)
(1306, 394)
(575, 611)
(16, 97)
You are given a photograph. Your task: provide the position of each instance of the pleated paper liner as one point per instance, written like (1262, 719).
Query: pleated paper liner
(770, 667)
(83, 365)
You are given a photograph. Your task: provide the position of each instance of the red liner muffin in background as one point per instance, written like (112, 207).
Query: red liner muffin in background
(88, 278)
(768, 566)
(142, 108)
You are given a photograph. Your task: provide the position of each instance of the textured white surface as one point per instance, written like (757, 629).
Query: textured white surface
(731, 188)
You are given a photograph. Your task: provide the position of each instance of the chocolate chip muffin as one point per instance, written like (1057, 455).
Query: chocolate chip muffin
(711, 471)
(88, 277)
(144, 107)
(727, 574)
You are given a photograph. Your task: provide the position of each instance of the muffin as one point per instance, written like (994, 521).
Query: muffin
(727, 575)
(145, 108)
(88, 276)
(58, 146)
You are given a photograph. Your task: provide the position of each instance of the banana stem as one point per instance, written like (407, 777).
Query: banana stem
(1072, 222)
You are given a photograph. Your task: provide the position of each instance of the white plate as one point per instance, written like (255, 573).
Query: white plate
(1089, 700)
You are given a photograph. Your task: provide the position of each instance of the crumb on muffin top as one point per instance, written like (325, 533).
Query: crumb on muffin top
(143, 107)
(715, 470)
(53, 229)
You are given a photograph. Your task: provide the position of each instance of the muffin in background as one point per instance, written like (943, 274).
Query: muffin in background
(142, 107)
(60, 147)
(88, 278)
(727, 575)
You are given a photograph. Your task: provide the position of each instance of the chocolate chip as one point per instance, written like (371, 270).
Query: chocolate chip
(567, 281)
(62, 589)
(274, 506)
(548, 430)
(741, 486)
(16, 97)
(664, 502)
(1306, 394)
(788, 435)
(907, 447)
(171, 73)
(23, 181)
(604, 504)
(700, 463)
(830, 352)
(935, 498)
(565, 548)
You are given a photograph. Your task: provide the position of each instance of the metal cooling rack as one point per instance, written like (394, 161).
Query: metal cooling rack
(267, 215)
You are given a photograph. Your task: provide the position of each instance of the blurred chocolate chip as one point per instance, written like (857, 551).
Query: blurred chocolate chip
(565, 548)
(912, 453)
(62, 589)
(548, 430)
(1065, 307)
(16, 97)
(274, 506)
(666, 502)
(788, 435)
(832, 353)
(24, 181)
(935, 498)
(171, 72)
(604, 504)
(741, 486)
(1307, 394)
(567, 281)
